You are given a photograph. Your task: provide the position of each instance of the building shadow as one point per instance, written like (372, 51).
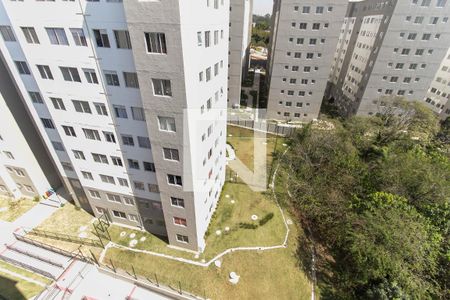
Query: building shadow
(9, 290)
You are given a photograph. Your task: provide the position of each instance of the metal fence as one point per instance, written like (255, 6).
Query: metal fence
(27, 267)
(65, 237)
(271, 128)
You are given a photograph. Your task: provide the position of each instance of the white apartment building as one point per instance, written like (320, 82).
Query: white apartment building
(241, 15)
(26, 169)
(388, 47)
(439, 92)
(304, 38)
(130, 98)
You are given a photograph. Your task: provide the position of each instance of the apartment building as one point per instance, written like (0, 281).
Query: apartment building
(130, 98)
(241, 16)
(439, 92)
(305, 35)
(388, 47)
(26, 169)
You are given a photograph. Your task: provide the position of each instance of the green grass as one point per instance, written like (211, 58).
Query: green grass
(264, 275)
(14, 288)
(68, 220)
(16, 208)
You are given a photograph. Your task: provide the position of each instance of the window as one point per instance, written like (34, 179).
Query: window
(171, 154)
(144, 142)
(216, 69)
(36, 97)
(399, 66)
(207, 39)
(200, 76)
(45, 72)
(138, 113)
(131, 80)
(58, 146)
(306, 9)
(70, 74)
(319, 10)
(162, 87)
(22, 67)
(119, 214)
(101, 38)
(426, 37)
(82, 106)
(139, 185)
(78, 36)
(87, 175)
(208, 74)
(148, 166)
(109, 137)
(91, 134)
(30, 35)
(122, 181)
(413, 66)
(418, 20)
(78, 154)
(316, 26)
(133, 164)
(179, 221)
(405, 51)
(69, 131)
(128, 201)
(100, 158)
(67, 166)
(303, 26)
(94, 194)
(107, 179)
(111, 78)
(174, 180)
(127, 140)
(216, 37)
(153, 188)
(182, 238)
(7, 33)
(47, 123)
(90, 75)
(156, 42)
(113, 198)
(394, 79)
(177, 202)
(121, 111)
(199, 38)
(9, 154)
(122, 39)
(58, 103)
(412, 36)
(167, 124)
(441, 3)
(419, 52)
(100, 108)
(57, 36)
(117, 161)
(434, 20)
(425, 3)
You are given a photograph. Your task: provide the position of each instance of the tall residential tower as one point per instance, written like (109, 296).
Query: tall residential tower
(130, 98)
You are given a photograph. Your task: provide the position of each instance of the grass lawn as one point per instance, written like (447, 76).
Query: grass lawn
(13, 288)
(264, 275)
(69, 220)
(15, 208)
(242, 140)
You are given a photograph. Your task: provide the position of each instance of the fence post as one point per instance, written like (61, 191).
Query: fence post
(134, 272)
(156, 278)
(179, 286)
(114, 268)
(93, 256)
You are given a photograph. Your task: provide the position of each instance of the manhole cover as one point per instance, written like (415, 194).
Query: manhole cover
(218, 232)
(132, 236)
(254, 217)
(133, 243)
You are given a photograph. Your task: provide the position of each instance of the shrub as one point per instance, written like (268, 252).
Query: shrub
(36, 198)
(266, 219)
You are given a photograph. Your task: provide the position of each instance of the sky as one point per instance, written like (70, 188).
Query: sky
(262, 7)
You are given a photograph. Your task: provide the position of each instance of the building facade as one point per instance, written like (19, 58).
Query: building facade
(26, 169)
(304, 38)
(239, 49)
(439, 92)
(130, 98)
(387, 48)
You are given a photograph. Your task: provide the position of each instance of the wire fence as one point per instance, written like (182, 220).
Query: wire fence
(272, 128)
(27, 267)
(65, 237)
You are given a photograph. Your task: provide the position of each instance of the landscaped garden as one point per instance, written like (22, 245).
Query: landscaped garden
(14, 288)
(11, 209)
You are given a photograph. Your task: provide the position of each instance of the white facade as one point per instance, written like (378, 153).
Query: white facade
(136, 68)
(305, 35)
(439, 92)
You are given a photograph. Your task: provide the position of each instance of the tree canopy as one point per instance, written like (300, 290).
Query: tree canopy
(374, 194)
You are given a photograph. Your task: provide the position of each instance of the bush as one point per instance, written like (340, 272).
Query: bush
(36, 198)
(266, 219)
(248, 226)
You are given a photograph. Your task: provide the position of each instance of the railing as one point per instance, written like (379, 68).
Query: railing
(28, 267)
(43, 259)
(51, 248)
(64, 237)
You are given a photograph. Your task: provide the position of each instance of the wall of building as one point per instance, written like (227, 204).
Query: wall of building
(300, 59)
(439, 92)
